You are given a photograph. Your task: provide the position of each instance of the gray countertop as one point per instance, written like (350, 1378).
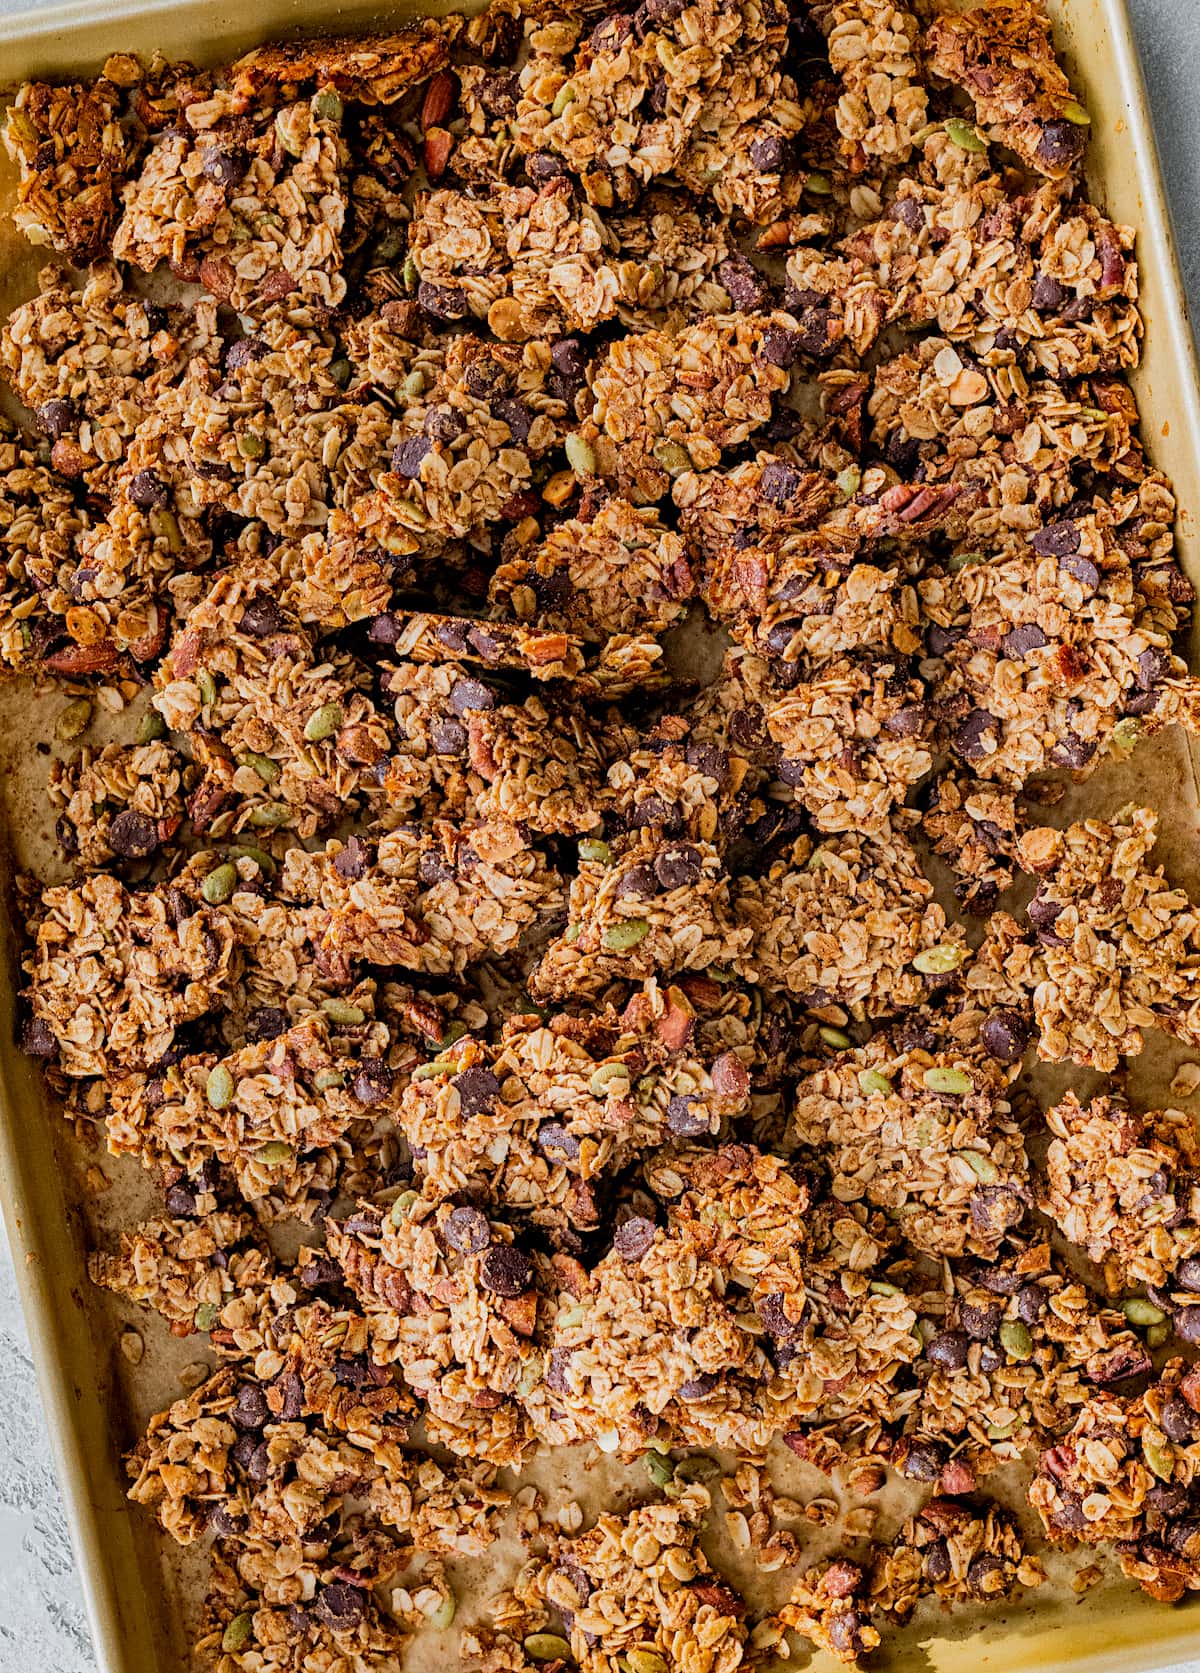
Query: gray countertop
(42, 1622)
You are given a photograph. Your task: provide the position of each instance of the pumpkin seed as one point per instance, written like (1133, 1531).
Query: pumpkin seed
(591, 848)
(1157, 1335)
(341, 1010)
(263, 765)
(327, 106)
(619, 938)
(324, 723)
(276, 1151)
(207, 687)
(220, 884)
(219, 1087)
(673, 458)
(1016, 1340)
(74, 719)
(965, 135)
(341, 371)
(444, 1613)
(835, 1037)
(849, 481)
(205, 1315)
(328, 1079)
(698, 1468)
(1074, 112)
(980, 1165)
(1158, 1455)
(956, 1081)
(877, 1286)
(645, 1661)
(398, 1212)
(819, 185)
(940, 960)
(659, 1468)
(263, 860)
(606, 1078)
(150, 727)
(270, 816)
(237, 1633)
(546, 1646)
(870, 1080)
(566, 95)
(1141, 1312)
(1127, 732)
(251, 445)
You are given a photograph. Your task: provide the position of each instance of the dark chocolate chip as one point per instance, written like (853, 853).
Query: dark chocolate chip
(778, 1320)
(373, 1082)
(147, 491)
(1179, 1421)
(1028, 637)
(1062, 144)
(444, 302)
(466, 695)
(224, 168)
(746, 289)
(556, 1143)
(779, 482)
(908, 722)
(1071, 751)
(250, 1409)
(181, 1202)
(441, 424)
(780, 347)
(478, 1090)
(633, 1237)
(975, 733)
(1083, 570)
(709, 760)
(679, 866)
(981, 1572)
(981, 1322)
(541, 166)
(262, 617)
(1056, 540)
(243, 351)
(352, 860)
(1048, 294)
(1187, 1275)
(266, 1022)
(1005, 1035)
(684, 1121)
(639, 881)
(506, 1271)
(291, 1392)
(467, 1230)
(768, 154)
(1153, 666)
(699, 1388)
(513, 412)
(937, 1562)
(922, 1461)
(909, 212)
(341, 1607)
(133, 835)
(57, 419)
(949, 1350)
(1031, 1303)
(37, 1038)
(1187, 1323)
(568, 357)
(448, 737)
(407, 458)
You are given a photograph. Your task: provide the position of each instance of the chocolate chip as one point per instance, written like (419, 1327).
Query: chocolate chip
(1056, 540)
(941, 639)
(768, 154)
(223, 167)
(444, 302)
(57, 419)
(466, 695)
(262, 617)
(746, 290)
(373, 1082)
(845, 1634)
(1061, 144)
(384, 630)
(909, 212)
(1187, 1275)
(484, 644)
(972, 738)
(1048, 294)
(323, 1272)
(467, 1230)
(498, 94)
(652, 810)
(407, 458)
(223, 1523)
(556, 1143)
(181, 1202)
(780, 347)
(266, 1022)
(908, 722)
(556, 1370)
(1153, 666)
(352, 860)
(679, 866)
(981, 1572)
(949, 1350)
(1031, 1303)
(684, 1121)
(639, 881)
(1083, 570)
(990, 1360)
(1005, 1036)
(778, 1320)
(922, 1461)
(448, 737)
(250, 1409)
(778, 483)
(780, 637)
(633, 1237)
(133, 835)
(541, 166)
(747, 729)
(995, 1208)
(698, 1388)
(1187, 1323)
(1000, 1280)
(506, 1271)
(709, 760)
(937, 1562)
(981, 1322)
(243, 351)
(147, 491)
(478, 1090)
(441, 424)
(1071, 751)
(453, 635)
(1022, 640)
(1179, 1421)
(516, 415)
(431, 870)
(291, 1393)
(341, 1607)
(567, 356)
(351, 1373)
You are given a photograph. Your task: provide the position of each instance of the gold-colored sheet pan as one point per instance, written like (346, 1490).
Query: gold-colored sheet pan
(138, 1596)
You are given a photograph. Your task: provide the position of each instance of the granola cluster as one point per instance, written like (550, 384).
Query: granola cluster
(579, 547)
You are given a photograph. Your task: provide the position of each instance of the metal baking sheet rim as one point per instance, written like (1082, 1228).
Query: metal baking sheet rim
(113, 1546)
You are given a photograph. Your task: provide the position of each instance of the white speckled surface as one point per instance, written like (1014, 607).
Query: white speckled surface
(42, 1625)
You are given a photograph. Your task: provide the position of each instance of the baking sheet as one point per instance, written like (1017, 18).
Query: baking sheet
(139, 1592)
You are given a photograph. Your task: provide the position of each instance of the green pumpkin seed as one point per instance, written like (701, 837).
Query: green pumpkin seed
(819, 185)
(659, 1468)
(849, 481)
(324, 723)
(220, 884)
(165, 525)
(341, 1010)
(1016, 1340)
(328, 1079)
(398, 1212)
(430, 1071)
(341, 371)
(151, 727)
(74, 720)
(877, 1286)
(546, 1646)
(980, 1165)
(263, 860)
(219, 1087)
(619, 938)
(206, 1314)
(1141, 1312)
(327, 106)
(962, 560)
(1159, 1455)
(645, 1661)
(580, 456)
(237, 1633)
(1074, 112)
(251, 445)
(263, 765)
(697, 1468)
(270, 816)
(566, 95)
(410, 274)
(954, 1081)
(572, 933)
(275, 1152)
(444, 1613)
(1127, 732)
(870, 1080)
(673, 458)
(1001, 1432)
(591, 848)
(940, 960)
(207, 688)
(1157, 1335)
(606, 1078)
(835, 1037)
(413, 386)
(965, 135)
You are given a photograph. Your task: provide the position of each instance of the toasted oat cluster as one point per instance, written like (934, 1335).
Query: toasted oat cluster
(578, 548)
